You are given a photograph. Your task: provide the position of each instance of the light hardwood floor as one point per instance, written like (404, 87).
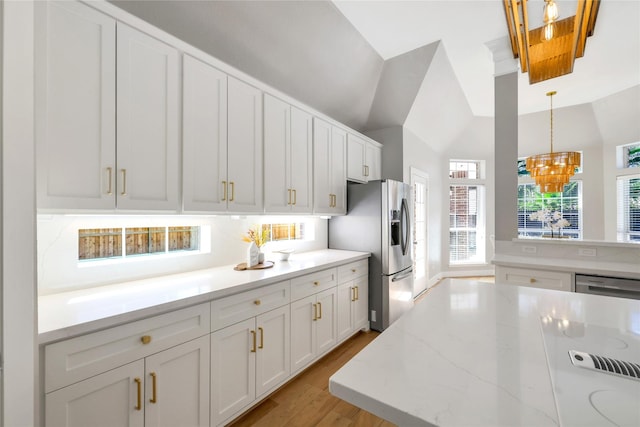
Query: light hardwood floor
(305, 401)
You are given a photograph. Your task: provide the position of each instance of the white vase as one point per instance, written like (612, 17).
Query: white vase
(261, 258)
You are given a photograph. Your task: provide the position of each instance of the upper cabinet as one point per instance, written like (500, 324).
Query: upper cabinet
(222, 141)
(204, 137)
(288, 158)
(147, 110)
(80, 72)
(329, 166)
(363, 159)
(75, 66)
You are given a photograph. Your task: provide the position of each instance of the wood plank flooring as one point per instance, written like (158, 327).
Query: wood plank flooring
(305, 401)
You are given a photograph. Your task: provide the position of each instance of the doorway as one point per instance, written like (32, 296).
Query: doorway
(420, 186)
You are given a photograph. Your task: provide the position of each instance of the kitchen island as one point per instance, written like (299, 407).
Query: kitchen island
(474, 353)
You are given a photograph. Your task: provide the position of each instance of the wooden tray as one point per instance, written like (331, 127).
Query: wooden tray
(243, 266)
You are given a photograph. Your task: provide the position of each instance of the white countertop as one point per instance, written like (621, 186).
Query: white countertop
(78, 312)
(472, 353)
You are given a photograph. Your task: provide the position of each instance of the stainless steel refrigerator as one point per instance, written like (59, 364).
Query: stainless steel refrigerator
(379, 221)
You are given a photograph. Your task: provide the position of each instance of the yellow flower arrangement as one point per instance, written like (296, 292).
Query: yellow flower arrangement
(256, 234)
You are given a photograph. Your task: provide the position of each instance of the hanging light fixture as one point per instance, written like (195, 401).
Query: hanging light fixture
(553, 170)
(550, 48)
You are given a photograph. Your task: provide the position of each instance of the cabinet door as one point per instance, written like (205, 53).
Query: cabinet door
(114, 398)
(344, 318)
(177, 385)
(75, 62)
(322, 194)
(356, 159)
(244, 147)
(204, 136)
(303, 332)
(148, 142)
(373, 161)
(273, 355)
(338, 170)
(233, 364)
(360, 308)
(301, 161)
(278, 197)
(326, 323)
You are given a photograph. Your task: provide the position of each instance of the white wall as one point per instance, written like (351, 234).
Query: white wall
(59, 269)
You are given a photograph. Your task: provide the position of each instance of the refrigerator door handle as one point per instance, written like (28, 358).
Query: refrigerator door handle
(404, 276)
(405, 225)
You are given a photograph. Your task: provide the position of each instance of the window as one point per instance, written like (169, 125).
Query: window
(466, 212)
(568, 204)
(629, 156)
(629, 208)
(285, 231)
(107, 243)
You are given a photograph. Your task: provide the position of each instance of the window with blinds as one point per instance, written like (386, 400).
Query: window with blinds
(465, 225)
(628, 188)
(108, 243)
(568, 204)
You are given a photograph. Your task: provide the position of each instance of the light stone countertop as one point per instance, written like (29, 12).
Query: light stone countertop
(472, 353)
(73, 313)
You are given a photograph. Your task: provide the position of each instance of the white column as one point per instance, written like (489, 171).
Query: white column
(18, 231)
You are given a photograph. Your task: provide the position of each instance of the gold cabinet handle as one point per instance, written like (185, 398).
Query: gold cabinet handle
(367, 169)
(224, 191)
(532, 280)
(261, 338)
(154, 391)
(110, 179)
(357, 293)
(139, 401)
(315, 312)
(353, 294)
(316, 283)
(233, 191)
(257, 302)
(124, 182)
(320, 310)
(253, 338)
(146, 339)
(295, 197)
(289, 199)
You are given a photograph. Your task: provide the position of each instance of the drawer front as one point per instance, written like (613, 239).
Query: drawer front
(310, 284)
(555, 280)
(352, 270)
(70, 361)
(236, 308)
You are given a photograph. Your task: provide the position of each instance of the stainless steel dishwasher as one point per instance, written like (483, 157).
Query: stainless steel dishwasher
(608, 286)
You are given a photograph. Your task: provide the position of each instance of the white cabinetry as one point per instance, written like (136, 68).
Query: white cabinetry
(287, 158)
(558, 281)
(329, 166)
(249, 355)
(132, 375)
(313, 317)
(81, 69)
(204, 136)
(363, 159)
(353, 298)
(75, 96)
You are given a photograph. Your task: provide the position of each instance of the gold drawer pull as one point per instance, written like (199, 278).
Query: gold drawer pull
(320, 310)
(139, 401)
(110, 178)
(253, 338)
(353, 294)
(315, 312)
(316, 283)
(289, 191)
(233, 191)
(224, 191)
(532, 280)
(353, 270)
(124, 182)
(257, 302)
(357, 293)
(295, 197)
(154, 392)
(261, 338)
(146, 339)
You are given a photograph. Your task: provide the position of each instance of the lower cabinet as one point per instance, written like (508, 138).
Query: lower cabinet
(353, 302)
(556, 280)
(168, 388)
(313, 327)
(248, 359)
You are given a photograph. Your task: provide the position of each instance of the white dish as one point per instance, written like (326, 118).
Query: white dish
(284, 254)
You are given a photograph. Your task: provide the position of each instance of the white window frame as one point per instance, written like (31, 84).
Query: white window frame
(538, 232)
(624, 232)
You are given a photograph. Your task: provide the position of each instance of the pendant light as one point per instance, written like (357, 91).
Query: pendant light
(553, 170)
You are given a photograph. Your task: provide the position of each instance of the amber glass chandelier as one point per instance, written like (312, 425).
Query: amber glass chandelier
(552, 170)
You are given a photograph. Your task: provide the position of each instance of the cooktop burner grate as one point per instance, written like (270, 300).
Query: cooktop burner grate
(605, 364)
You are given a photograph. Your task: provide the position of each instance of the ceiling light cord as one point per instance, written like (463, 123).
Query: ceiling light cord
(550, 95)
